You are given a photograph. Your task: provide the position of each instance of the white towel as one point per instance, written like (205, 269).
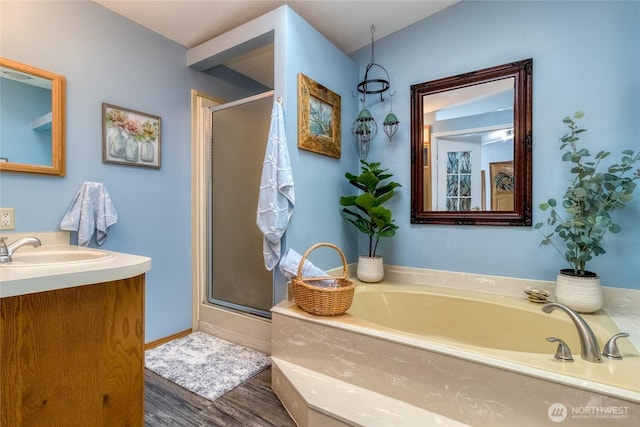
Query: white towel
(276, 198)
(90, 211)
(290, 263)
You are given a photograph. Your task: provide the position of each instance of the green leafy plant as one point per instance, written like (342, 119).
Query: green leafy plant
(366, 210)
(589, 199)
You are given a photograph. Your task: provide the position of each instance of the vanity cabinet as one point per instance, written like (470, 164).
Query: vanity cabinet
(74, 356)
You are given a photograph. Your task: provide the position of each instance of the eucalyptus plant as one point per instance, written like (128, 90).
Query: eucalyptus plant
(366, 210)
(589, 200)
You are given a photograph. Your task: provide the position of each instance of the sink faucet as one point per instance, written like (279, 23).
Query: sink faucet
(589, 347)
(7, 251)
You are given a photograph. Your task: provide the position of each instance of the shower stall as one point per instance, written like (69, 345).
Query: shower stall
(237, 277)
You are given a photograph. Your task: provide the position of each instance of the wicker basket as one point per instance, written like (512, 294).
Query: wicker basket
(323, 301)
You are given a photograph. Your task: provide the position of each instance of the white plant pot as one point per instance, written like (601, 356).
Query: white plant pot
(370, 270)
(580, 293)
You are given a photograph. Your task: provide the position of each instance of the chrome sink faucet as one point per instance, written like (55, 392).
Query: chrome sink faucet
(589, 347)
(7, 251)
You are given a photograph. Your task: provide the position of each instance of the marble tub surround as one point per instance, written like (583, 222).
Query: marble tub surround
(314, 399)
(16, 280)
(468, 383)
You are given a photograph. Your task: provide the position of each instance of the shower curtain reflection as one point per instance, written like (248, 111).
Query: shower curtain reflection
(237, 276)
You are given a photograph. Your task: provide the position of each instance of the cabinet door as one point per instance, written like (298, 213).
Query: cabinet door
(74, 357)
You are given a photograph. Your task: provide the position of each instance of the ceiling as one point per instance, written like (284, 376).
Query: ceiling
(346, 23)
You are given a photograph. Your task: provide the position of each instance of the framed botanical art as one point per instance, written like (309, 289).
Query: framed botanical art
(130, 137)
(318, 118)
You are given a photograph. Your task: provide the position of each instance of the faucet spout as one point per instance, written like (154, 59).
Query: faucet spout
(7, 251)
(589, 347)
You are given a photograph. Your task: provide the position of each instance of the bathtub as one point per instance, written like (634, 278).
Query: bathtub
(489, 324)
(470, 357)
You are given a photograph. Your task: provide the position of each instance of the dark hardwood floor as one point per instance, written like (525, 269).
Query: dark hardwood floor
(251, 404)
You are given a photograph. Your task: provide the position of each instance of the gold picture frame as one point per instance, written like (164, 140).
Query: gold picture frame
(318, 118)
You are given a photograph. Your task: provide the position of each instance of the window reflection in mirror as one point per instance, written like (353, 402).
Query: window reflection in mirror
(471, 147)
(32, 104)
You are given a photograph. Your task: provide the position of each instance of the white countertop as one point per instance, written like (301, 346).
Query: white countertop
(16, 280)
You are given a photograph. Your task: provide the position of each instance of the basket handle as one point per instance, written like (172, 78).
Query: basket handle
(345, 272)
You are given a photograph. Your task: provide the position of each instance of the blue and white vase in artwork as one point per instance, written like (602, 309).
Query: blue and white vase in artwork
(117, 143)
(147, 152)
(131, 149)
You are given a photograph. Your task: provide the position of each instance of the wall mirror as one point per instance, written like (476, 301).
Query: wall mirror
(32, 108)
(471, 148)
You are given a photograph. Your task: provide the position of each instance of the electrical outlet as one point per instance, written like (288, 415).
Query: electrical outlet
(7, 219)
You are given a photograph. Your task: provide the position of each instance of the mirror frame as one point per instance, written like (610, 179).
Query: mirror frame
(58, 114)
(521, 71)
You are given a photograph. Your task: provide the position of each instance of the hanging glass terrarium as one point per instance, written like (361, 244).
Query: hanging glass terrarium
(390, 126)
(364, 131)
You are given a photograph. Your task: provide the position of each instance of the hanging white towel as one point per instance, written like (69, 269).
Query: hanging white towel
(276, 198)
(91, 211)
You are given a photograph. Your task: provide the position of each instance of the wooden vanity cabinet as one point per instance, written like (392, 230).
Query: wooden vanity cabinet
(74, 357)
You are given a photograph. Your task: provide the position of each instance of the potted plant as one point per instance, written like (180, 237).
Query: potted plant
(367, 213)
(585, 217)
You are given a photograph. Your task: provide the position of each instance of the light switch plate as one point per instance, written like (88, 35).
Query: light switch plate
(7, 219)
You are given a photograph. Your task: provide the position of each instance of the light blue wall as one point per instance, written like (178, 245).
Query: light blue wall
(585, 57)
(107, 58)
(319, 179)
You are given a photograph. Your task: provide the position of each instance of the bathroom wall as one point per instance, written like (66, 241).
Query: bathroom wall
(107, 58)
(585, 57)
(319, 180)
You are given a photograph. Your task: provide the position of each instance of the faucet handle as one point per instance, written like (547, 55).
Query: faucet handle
(563, 353)
(610, 349)
(3, 246)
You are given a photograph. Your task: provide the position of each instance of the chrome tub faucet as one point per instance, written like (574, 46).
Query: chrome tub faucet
(589, 347)
(7, 251)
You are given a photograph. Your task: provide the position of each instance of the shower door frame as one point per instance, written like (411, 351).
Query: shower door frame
(210, 232)
(241, 328)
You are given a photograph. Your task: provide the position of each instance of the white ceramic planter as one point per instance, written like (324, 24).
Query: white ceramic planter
(370, 270)
(581, 293)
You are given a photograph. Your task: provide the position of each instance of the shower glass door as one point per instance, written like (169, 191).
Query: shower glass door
(237, 275)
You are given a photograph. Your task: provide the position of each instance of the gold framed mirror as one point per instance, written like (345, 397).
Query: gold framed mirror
(32, 107)
(471, 143)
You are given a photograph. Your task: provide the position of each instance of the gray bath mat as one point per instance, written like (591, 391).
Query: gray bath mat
(204, 364)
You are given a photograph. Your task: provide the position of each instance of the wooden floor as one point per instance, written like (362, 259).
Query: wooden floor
(251, 404)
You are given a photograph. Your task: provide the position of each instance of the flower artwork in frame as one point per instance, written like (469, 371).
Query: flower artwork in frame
(130, 137)
(318, 118)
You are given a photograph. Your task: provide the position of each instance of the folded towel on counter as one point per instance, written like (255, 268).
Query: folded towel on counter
(91, 211)
(276, 197)
(289, 267)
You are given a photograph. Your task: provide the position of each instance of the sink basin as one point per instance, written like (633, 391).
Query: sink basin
(48, 258)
